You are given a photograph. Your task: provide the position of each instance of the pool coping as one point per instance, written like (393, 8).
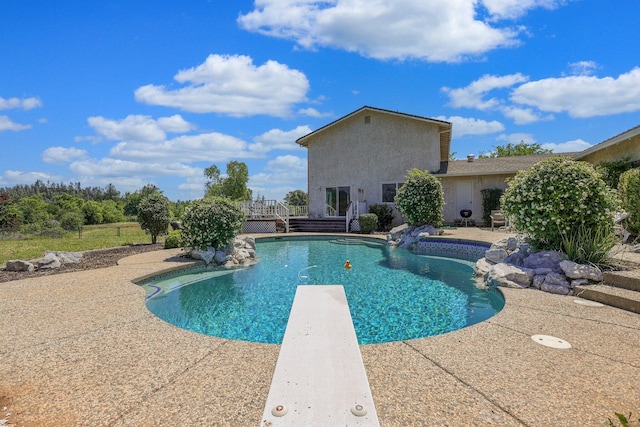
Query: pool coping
(81, 349)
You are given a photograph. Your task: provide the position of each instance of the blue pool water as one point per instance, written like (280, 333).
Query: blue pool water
(393, 294)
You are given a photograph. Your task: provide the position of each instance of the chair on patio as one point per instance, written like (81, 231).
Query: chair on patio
(498, 219)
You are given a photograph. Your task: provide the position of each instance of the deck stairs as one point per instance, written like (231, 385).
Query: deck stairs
(317, 225)
(619, 289)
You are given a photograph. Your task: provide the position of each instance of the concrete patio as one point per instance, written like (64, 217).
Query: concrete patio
(82, 349)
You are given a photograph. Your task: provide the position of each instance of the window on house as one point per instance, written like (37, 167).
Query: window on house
(367, 119)
(389, 191)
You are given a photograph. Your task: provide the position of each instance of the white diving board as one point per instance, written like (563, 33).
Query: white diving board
(319, 378)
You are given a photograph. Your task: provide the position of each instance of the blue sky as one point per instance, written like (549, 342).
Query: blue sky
(138, 92)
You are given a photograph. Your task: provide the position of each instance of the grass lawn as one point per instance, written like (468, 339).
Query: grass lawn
(92, 237)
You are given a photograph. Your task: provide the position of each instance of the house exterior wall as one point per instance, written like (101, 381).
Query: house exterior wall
(449, 185)
(364, 153)
(628, 148)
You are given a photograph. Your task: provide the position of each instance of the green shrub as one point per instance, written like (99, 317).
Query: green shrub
(172, 240)
(554, 198)
(611, 171)
(629, 190)
(490, 202)
(70, 220)
(421, 199)
(154, 215)
(211, 222)
(384, 214)
(367, 222)
(46, 228)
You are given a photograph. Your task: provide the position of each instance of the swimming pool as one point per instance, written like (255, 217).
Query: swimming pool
(393, 294)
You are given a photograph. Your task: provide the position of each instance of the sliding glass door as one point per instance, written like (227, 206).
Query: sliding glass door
(337, 200)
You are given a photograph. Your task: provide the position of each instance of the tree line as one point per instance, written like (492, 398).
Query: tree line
(47, 208)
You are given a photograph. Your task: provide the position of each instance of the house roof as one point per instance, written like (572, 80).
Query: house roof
(443, 127)
(609, 142)
(490, 166)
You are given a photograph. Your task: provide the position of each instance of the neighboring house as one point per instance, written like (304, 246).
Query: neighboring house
(624, 145)
(463, 180)
(364, 156)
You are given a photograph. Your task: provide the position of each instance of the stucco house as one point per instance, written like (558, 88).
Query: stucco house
(364, 156)
(619, 147)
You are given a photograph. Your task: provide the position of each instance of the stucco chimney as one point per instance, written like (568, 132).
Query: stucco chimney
(470, 157)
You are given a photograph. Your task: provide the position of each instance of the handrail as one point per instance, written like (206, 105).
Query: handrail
(330, 211)
(266, 209)
(352, 213)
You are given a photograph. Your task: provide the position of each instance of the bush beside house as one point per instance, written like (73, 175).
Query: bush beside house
(421, 199)
(555, 198)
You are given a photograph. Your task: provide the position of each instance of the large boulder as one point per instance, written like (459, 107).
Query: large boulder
(509, 276)
(19, 265)
(482, 267)
(495, 255)
(48, 261)
(545, 259)
(66, 257)
(581, 271)
(397, 232)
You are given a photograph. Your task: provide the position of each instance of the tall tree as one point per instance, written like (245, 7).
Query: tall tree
(233, 186)
(519, 149)
(296, 198)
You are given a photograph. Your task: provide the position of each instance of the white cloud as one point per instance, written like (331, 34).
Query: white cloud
(139, 127)
(25, 103)
(114, 168)
(11, 177)
(512, 9)
(277, 139)
(517, 138)
(583, 68)
(232, 85)
(583, 96)
(7, 124)
(439, 30)
(280, 175)
(312, 112)
(210, 147)
(567, 147)
(469, 126)
(523, 116)
(61, 155)
(472, 96)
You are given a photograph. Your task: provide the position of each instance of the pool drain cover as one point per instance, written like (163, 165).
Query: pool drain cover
(588, 303)
(550, 341)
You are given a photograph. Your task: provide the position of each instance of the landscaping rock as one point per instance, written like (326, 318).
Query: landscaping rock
(204, 255)
(221, 257)
(545, 259)
(581, 271)
(538, 280)
(19, 265)
(482, 267)
(496, 255)
(66, 257)
(397, 232)
(515, 258)
(509, 276)
(50, 260)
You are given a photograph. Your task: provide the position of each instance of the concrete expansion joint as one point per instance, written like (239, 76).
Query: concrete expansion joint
(466, 384)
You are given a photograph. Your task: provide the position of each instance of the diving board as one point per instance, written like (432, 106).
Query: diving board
(319, 378)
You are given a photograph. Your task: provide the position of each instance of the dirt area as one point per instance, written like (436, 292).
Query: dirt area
(90, 260)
